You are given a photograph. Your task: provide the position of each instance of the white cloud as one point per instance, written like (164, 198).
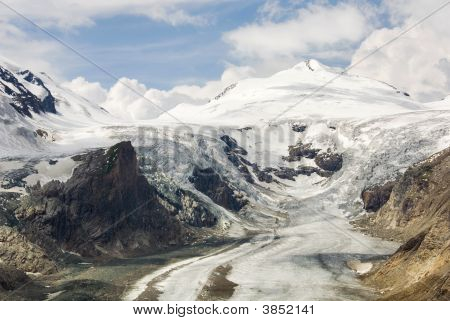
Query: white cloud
(76, 13)
(130, 99)
(32, 49)
(418, 62)
(92, 91)
(317, 30)
(26, 51)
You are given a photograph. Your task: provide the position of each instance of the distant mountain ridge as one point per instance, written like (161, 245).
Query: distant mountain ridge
(34, 108)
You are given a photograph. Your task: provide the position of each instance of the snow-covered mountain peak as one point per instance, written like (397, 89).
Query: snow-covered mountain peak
(310, 64)
(309, 89)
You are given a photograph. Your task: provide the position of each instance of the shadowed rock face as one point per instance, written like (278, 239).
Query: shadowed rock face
(218, 190)
(329, 161)
(235, 155)
(418, 214)
(375, 197)
(11, 278)
(232, 145)
(106, 206)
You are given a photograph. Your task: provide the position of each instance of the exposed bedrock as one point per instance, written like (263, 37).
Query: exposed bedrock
(374, 197)
(106, 206)
(210, 183)
(235, 155)
(19, 252)
(232, 145)
(329, 161)
(300, 150)
(417, 213)
(11, 278)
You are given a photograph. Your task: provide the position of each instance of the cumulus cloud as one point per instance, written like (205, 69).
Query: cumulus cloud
(132, 100)
(317, 30)
(92, 91)
(418, 62)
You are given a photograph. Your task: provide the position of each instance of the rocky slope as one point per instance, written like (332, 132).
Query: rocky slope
(11, 278)
(417, 212)
(106, 206)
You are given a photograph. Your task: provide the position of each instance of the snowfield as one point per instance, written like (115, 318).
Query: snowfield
(304, 242)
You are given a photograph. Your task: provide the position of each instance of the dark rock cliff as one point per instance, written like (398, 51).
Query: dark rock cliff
(107, 206)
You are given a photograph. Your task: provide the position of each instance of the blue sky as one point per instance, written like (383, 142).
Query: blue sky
(158, 54)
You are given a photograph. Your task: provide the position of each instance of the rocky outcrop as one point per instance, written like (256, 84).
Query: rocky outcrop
(235, 153)
(286, 173)
(194, 213)
(241, 164)
(236, 157)
(329, 161)
(232, 145)
(290, 173)
(417, 214)
(309, 170)
(18, 252)
(9, 202)
(299, 128)
(300, 150)
(211, 184)
(106, 207)
(264, 174)
(11, 278)
(374, 197)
